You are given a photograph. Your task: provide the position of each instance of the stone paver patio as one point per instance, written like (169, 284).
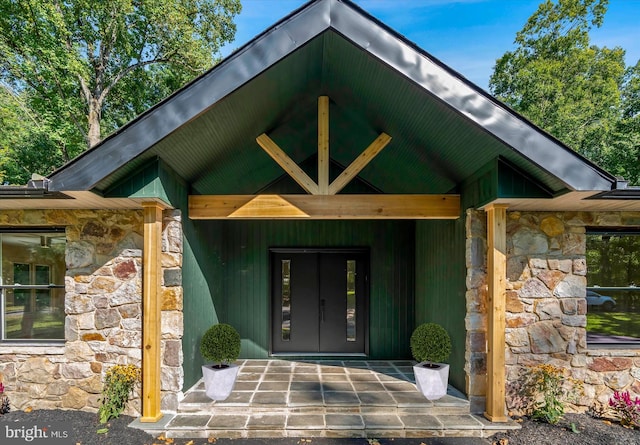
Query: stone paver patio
(350, 398)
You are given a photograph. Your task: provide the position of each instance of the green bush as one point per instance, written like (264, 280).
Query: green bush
(430, 342)
(220, 344)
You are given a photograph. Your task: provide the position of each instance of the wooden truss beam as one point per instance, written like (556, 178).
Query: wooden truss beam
(359, 163)
(323, 145)
(323, 187)
(324, 206)
(288, 164)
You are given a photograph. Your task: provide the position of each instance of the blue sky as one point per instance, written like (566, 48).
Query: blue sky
(467, 35)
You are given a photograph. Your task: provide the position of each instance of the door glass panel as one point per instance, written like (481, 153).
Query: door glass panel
(286, 300)
(351, 300)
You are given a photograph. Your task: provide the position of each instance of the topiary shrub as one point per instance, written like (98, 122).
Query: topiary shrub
(431, 343)
(220, 344)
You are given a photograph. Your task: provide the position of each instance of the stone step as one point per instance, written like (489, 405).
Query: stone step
(409, 402)
(355, 409)
(266, 425)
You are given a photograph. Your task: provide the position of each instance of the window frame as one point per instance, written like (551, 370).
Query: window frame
(613, 231)
(31, 287)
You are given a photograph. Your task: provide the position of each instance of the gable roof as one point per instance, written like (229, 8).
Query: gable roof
(444, 128)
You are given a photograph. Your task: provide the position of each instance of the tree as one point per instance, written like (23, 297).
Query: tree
(26, 143)
(578, 92)
(85, 67)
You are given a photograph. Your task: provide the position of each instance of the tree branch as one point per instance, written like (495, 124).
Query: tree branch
(126, 71)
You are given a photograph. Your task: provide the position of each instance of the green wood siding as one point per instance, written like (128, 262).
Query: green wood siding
(440, 285)
(154, 180)
(241, 294)
(499, 179)
(202, 279)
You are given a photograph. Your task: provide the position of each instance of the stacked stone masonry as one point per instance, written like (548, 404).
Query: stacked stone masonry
(103, 324)
(545, 306)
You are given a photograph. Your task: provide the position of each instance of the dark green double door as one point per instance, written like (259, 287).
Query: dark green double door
(319, 301)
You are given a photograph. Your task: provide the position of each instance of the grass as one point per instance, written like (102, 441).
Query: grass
(45, 325)
(614, 323)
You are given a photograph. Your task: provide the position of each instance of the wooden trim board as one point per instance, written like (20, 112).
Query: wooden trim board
(324, 206)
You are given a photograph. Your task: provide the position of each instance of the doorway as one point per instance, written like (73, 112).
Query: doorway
(319, 301)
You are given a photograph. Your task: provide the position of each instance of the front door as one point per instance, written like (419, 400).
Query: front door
(320, 301)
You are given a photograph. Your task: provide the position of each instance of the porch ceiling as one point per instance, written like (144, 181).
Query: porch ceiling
(443, 128)
(367, 98)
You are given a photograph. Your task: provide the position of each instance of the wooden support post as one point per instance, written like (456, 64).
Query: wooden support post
(323, 145)
(151, 293)
(496, 276)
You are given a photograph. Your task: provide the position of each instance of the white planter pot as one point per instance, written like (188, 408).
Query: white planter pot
(218, 383)
(432, 382)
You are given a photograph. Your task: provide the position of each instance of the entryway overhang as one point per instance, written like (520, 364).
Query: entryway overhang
(443, 127)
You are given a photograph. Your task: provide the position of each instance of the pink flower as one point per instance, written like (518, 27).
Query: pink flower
(628, 409)
(1, 388)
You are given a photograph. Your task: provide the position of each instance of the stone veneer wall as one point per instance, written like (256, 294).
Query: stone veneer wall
(103, 324)
(545, 304)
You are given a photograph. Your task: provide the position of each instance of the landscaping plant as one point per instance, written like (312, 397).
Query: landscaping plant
(4, 401)
(430, 343)
(627, 409)
(220, 344)
(547, 381)
(118, 384)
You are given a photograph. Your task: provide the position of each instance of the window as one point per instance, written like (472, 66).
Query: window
(32, 284)
(351, 300)
(286, 300)
(613, 287)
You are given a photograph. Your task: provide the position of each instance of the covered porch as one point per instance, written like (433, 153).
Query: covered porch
(327, 398)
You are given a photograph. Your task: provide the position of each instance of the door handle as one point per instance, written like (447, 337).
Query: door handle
(322, 310)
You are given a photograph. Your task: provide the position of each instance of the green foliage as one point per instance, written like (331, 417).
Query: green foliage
(548, 388)
(220, 344)
(582, 94)
(613, 259)
(27, 144)
(430, 342)
(82, 68)
(119, 382)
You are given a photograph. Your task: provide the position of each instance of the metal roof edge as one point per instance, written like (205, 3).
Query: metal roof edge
(620, 193)
(36, 188)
